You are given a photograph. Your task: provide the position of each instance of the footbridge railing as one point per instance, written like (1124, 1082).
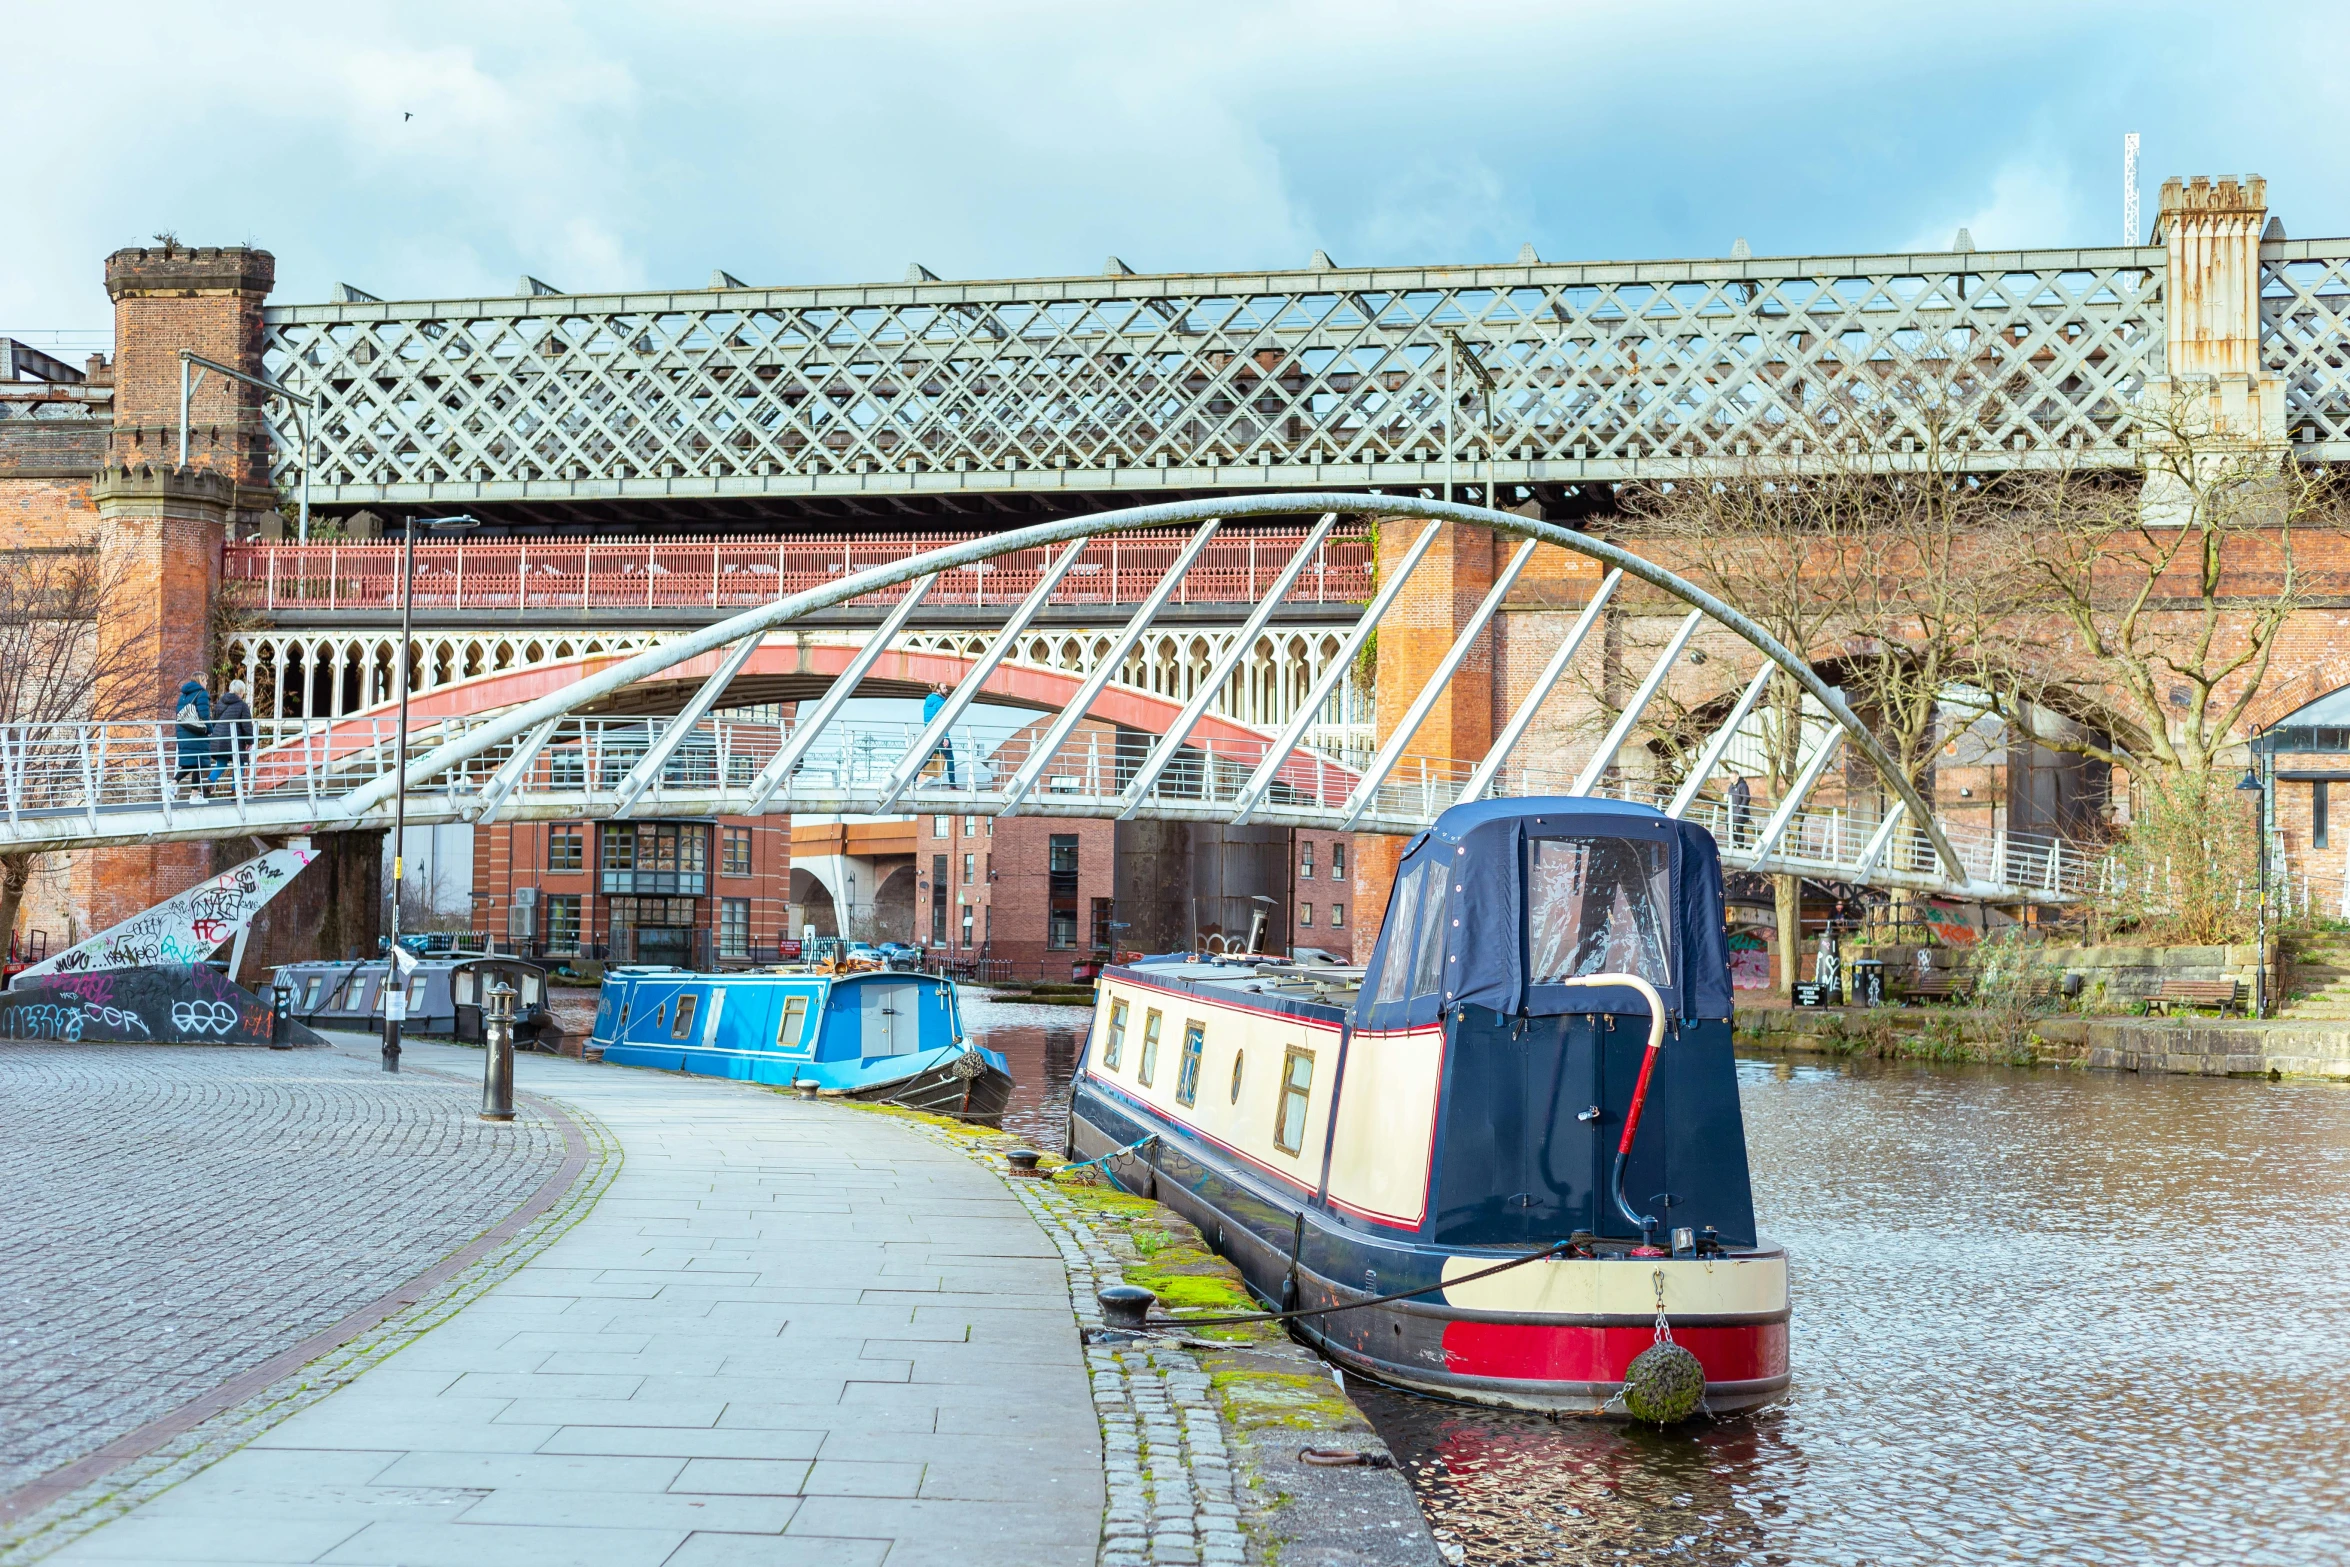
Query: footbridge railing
(113, 784)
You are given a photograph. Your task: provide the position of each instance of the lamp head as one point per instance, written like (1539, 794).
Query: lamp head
(2250, 782)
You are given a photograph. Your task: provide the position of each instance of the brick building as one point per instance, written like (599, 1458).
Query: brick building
(692, 893)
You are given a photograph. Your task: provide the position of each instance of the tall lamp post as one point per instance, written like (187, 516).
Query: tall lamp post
(395, 980)
(2253, 784)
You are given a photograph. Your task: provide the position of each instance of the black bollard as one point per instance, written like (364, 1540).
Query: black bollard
(497, 1067)
(281, 996)
(1125, 1307)
(1023, 1160)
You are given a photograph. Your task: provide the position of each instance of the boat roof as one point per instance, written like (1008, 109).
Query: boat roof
(1320, 989)
(1471, 946)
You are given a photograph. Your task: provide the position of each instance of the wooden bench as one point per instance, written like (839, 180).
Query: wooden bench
(2220, 993)
(1938, 984)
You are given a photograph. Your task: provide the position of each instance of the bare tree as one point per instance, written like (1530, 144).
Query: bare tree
(56, 667)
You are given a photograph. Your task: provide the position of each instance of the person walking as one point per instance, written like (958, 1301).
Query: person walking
(232, 737)
(945, 747)
(193, 716)
(1741, 808)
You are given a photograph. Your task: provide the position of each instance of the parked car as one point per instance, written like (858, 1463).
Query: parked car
(901, 954)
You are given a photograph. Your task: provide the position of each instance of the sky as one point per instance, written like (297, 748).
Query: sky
(444, 150)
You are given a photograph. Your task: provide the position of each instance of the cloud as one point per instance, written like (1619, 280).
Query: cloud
(2031, 204)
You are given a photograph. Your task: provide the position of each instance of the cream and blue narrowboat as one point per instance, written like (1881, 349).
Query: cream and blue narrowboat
(1537, 1055)
(880, 1035)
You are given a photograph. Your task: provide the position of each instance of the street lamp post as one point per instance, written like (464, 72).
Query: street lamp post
(2253, 784)
(395, 985)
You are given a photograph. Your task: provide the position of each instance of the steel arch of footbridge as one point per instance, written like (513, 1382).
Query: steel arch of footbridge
(1203, 514)
(108, 784)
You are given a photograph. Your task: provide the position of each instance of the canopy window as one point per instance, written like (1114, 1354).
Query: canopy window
(1598, 906)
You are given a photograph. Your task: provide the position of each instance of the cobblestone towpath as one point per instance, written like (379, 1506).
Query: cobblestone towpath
(173, 1218)
(785, 1334)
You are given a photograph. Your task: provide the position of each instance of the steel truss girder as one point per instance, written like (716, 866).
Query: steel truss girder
(1600, 372)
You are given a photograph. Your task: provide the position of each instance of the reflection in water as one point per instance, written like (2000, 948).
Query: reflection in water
(2040, 1317)
(1041, 1044)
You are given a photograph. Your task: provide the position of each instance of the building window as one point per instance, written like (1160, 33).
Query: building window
(938, 899)
(942, 826)
(1338, 862)
(1338, 916)
(1102, 908)
(971, 827)
(1117, 1046)
(1305, 860)
(734, 927)
(643, 857)
(1150, 1048)
(563, 924)
(685, 1016)
(966, 924)
(1061, 891)
(734, 852)
(1195, 1044)
(2317, 814)
(1297, 1088)
(566, 767)
(1305, 915)
(567, 848)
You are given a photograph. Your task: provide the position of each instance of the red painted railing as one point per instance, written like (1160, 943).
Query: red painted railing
(1238, 567)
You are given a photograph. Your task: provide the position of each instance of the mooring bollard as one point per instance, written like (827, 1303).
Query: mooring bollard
(497, 1067)
(1023, 1160)
(281, 996)
(1125, 1307)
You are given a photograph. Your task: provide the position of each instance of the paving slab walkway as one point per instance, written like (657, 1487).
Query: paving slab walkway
(788, 1333)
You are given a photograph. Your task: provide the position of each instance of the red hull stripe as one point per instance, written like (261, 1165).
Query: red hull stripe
(1522, 1351)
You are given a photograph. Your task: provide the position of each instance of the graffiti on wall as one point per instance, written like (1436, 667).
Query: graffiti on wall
(187, 928)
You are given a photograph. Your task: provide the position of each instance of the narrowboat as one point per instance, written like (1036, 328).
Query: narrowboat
(446, 996)
(876, 1034)
(1536, 1057)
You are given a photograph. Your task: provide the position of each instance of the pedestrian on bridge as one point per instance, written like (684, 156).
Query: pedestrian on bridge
(193, 716)
(1741, 809)
(232, 736)
(945, 747)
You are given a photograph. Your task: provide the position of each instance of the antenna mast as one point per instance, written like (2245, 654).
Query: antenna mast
(2130, 188)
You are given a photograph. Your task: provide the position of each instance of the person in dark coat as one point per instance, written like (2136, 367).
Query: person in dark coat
(232, 735)
(1741, 810)
(192, 713)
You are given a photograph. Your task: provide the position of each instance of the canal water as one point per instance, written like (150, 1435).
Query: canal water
(2041, 1317)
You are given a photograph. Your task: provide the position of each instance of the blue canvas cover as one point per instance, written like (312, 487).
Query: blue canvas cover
(1499, 900)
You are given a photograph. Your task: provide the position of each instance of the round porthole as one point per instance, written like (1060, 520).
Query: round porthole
(1237, 1057)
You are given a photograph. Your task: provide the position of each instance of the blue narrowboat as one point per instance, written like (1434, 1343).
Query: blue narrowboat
(878, 1035)
(1535, 1065)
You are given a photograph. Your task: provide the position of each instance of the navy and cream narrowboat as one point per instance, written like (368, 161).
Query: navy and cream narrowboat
(447, 996)
(1537, 1055)
(873, 1035)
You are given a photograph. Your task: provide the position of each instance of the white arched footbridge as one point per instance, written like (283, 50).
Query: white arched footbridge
(570, 741)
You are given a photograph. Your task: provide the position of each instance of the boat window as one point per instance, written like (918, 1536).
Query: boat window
(794, 1024)
(623, 1015)
(1428, 946)
(416, 996)
(685, 1017)
(1195, 1040)
(660, 1015)
(1117, 1045)
(717, 1010)
(461, 987)
(1297, 1088)
(1150, 1048)
(1238, 1056)
(310, 996)
(1598, 906)
(534, 990)
(1403, 918)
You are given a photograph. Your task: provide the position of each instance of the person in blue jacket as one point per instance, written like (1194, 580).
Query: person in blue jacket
(945, 747)
(192, 714)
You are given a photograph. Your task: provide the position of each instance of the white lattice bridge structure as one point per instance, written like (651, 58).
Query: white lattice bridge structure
(919, 393)
(563, 743)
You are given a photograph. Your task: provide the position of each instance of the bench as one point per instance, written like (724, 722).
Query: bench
(1939, 984)
(2221, 993)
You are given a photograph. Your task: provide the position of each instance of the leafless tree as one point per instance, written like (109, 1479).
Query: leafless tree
(56, 667)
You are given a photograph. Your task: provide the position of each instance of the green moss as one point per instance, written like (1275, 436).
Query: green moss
(1255, 1399)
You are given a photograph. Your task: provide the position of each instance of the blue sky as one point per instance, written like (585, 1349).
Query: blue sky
(614, 147)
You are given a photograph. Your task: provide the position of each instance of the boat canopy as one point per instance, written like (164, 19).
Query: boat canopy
(1499, 901)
